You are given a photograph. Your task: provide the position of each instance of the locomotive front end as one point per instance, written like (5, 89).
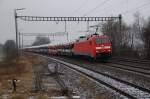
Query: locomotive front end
(103, 47)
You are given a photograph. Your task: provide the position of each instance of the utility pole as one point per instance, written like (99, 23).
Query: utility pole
(22, 41)
(87, 26)
(120, 29)
(16, 28)
(120, 23)
(66, 31)
(19, 44)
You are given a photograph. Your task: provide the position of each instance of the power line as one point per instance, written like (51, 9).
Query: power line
(99, 5)
(80, 7)
(104, 9)
(129, 11)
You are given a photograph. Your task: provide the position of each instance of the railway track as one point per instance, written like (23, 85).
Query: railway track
(56, 75)
(126, 89)
(132, 76)
(37, 80)
(145, 62)
(134, 69)
(130, 65)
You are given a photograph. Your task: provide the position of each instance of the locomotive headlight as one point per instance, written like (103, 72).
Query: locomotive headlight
(98, 47)
(107, 46)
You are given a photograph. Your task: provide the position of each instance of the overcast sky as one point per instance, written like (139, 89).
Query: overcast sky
(64, 8)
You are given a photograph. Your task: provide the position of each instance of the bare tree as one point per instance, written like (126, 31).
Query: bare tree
(129, 41)
(146, 38)
(136, 32)
(10, 50)
(122, 41)
(1, 48)
(137, 27)
(41, 40)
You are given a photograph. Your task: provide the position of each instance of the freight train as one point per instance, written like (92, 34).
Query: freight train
(92, 46)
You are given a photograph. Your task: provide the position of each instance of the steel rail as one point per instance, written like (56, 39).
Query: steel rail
(134, 66)
(146, 74)
(132, 60)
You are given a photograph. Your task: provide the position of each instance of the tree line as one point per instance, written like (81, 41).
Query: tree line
(133, 40)
(10, 48)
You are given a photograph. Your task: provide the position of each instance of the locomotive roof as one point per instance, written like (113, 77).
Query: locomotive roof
(104, 36)
(44, 45)
(49, 45)
(93, 36)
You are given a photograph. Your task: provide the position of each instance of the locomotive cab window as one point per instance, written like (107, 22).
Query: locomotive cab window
(102, 40)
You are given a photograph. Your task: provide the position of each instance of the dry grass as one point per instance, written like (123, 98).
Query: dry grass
(21, 70)
(42, 97)
(18, 96)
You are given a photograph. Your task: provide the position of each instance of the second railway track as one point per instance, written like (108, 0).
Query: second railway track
(137, 70)
(139, 61)
(131, 65)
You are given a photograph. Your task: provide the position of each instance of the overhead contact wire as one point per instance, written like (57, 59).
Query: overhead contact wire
(146, 4)
(99, 5)
(80, 7)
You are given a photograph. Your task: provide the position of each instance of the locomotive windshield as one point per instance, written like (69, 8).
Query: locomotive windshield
(102, 40)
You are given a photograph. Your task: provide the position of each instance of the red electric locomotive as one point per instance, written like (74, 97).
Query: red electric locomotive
(94, 46)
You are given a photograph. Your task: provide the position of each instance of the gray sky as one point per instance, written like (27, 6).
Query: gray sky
(64, 8)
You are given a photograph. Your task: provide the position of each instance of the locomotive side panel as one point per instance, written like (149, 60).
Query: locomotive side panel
(83, 48)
